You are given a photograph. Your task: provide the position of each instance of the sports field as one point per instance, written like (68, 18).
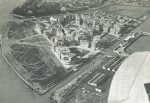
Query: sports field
(140, 45)
(130, 11)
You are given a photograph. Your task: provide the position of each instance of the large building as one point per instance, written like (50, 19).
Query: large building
(131, 81)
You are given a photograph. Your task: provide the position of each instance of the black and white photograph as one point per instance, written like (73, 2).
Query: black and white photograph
(74, 51)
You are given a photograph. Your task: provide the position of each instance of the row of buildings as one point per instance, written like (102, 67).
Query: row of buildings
(99, 80)
(83, 30)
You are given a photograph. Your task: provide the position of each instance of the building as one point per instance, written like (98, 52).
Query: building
(95, 40)
(116, 64)
(98, 29)
(77, 19)
(84, 43)
(63, 53)
(112, 31)
(53, 20)
(103, 87)
(106, 27)
(95, 79)
(99, 81)
(110, 62)
(59, 33)
(115, 29)
(37, 29)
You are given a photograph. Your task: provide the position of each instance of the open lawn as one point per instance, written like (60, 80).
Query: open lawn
(130, 11)
(140, 45)
(38, 67)
(21, 30)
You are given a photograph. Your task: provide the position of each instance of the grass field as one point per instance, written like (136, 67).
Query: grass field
(30, 55)
(131, 11)
(140, 45)
(37, 40)
(36, 65)
(20, 30)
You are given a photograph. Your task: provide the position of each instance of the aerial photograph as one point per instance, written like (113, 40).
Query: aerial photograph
(74, 51)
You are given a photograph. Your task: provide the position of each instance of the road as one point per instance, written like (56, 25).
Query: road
(17, 91)
(13, 90)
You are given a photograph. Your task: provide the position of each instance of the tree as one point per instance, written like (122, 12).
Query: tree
(105, 43)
